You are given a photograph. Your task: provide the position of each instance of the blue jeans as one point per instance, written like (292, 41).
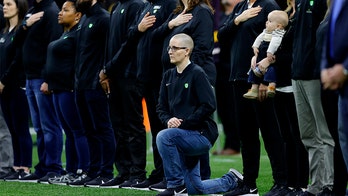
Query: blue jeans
(180, 151)
(46, 124)
(94, 111)
(343, 124)
(76, 145)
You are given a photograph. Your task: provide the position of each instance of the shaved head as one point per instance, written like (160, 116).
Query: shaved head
(185, 40)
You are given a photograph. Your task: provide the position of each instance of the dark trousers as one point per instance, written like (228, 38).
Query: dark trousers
(15, 108)
(93, 108)
(151, 94)
(330, 107)
(252, 115)
(127, 120)
(225, 110)
(295, 152)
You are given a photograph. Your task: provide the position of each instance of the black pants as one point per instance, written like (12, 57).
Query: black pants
(127, 120)
(225, 110)
(151, 94)
(295, 152)
(250, 116)
(330, 107)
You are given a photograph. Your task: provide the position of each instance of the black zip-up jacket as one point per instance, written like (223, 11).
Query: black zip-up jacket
(149, 49)
(120, 53)
(91, 41)
(11, 69)
(37, 37)
(244, 35)
(188, 96)
(309, 14)
(201, 29)
(61, 61)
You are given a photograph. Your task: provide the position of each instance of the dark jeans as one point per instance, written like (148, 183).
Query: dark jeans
(127, 121)
(94, 111)
(296, 154)
(15, 108)
(252, 115)
(76, 145)
(269, 76)
(48, 131)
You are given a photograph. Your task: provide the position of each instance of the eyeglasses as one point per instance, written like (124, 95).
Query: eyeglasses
(175, 48)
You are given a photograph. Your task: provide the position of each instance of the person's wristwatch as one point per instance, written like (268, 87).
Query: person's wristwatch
(24, 23)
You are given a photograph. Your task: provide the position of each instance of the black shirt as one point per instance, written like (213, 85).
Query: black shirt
(61, 61)
(188, 96)
(91, 39)
(244, 35)
(37, 37)
(201, 29)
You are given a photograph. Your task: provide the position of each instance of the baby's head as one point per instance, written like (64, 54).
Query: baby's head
(277, 19)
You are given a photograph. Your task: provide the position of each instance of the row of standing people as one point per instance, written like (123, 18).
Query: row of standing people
(119, 67)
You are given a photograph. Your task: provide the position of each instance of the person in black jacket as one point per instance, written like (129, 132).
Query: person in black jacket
(314, 131)
(91, 100)
(125, 99)
(149, 71)
(186, 104)
(13, 97)
(242, 27)
(194, 18)
(37, 31)
(76, 146)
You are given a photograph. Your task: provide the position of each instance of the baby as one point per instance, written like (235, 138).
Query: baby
(265, 45)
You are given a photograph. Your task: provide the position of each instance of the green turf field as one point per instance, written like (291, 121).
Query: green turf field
(219, 166)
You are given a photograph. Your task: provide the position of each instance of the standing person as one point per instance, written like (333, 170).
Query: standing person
(76, 146)
(91, 100)
(334, 72)
(149, 72)
(186, 104)
(314, 131)
(194, 18)
(295, 152)
(37, 32)
(243, 26)
(12, 91)
(223, 89)
(125, 99)
(334, 75)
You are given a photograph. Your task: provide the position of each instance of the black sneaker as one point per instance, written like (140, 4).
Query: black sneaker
(144, 185)
(178, 191)
(305, 193)
(11, 172)
(327, 191)
(161, 186)
(29, 177)
(243, 189)
(294, 191)
(278, 190)
(80, 180)
(128, 183)
(96, 182)
(49, 175)
(113, 183)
